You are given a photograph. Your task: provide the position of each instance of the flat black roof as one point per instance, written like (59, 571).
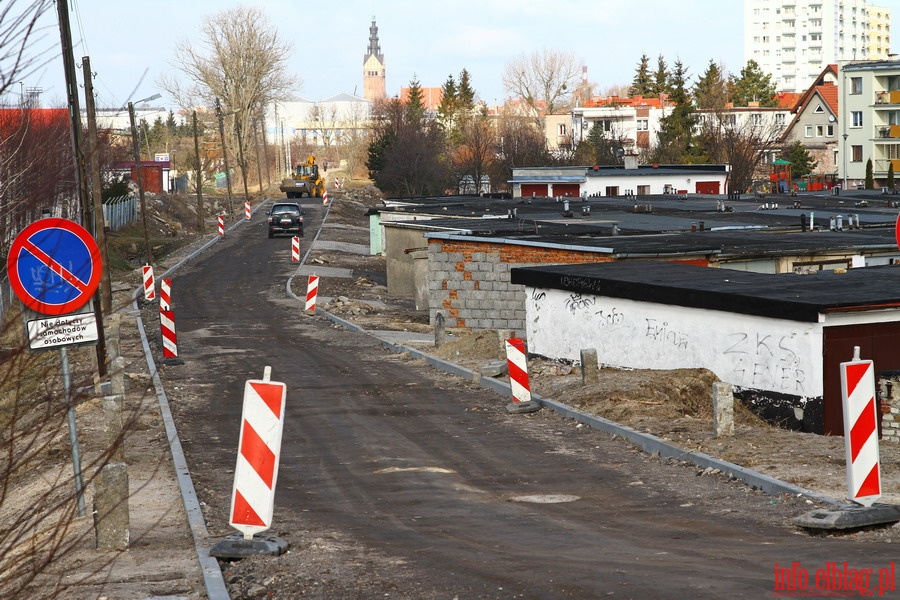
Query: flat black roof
(787, 296)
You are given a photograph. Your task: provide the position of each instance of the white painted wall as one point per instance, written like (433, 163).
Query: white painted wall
(775, 355)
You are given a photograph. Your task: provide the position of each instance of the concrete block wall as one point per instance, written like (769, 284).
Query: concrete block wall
(469, 281)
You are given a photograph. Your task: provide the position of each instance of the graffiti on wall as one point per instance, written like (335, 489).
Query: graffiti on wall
(663, 333)
(768, 361)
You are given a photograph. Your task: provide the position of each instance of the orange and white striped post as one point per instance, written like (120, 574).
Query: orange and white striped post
(312, 291)
(861, 430)
(221, 220)
(295, 249)
(149, 283)
(259, 446)
(325, 198)
(247, 213)
(517, 363)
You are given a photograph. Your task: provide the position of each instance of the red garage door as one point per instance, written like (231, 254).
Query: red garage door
(534, 189)
(708, 187)
(566, 189)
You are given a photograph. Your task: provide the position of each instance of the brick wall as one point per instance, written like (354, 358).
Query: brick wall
(468, 281)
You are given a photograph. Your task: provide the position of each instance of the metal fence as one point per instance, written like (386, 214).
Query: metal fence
(119, 212)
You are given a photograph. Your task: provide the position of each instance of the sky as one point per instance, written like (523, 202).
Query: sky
(426, 40)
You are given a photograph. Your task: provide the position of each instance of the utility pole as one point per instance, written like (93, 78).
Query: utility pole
(224, 153)
(243, 163)
(258, 160)
(65, 33)
(266, 150)
(200, 209)
(136, 151)
(104, 292)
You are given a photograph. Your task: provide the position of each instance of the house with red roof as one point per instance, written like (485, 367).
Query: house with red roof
(815, 120)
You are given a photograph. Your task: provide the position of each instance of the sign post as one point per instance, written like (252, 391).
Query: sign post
(54, 268)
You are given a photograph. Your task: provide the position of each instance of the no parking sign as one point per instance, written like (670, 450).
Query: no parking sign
(54, 268)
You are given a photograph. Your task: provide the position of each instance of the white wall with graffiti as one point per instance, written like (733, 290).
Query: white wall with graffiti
(775, 355)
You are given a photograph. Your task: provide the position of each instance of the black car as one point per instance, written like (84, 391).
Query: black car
(285, 217)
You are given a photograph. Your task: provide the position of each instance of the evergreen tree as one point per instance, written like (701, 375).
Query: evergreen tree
(754, 86)
(675, 140)
(802, 162)
(449, 102)
(662, 78)
(642, 85)
(890, 175)
(466, 94)
(415, 105)
(870, 176)
(711, 88)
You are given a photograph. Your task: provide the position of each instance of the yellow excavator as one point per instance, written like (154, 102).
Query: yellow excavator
(306, 179)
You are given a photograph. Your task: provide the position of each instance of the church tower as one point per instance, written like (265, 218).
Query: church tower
(373, 68)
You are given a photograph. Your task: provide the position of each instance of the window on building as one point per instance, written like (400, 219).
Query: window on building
(819, 109)
(779, 119)
(643, 124)
(561, 129)
(756, 119)
(856, 85)
(820, 130)
(856, 118)
(856, 153)
(809, 131)
(829, 131)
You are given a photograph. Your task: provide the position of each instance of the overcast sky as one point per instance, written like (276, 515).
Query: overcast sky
(132, 43)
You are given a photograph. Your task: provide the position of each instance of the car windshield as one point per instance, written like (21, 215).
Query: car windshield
(285, 210)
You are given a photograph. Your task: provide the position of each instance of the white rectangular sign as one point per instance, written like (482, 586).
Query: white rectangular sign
(64, 330)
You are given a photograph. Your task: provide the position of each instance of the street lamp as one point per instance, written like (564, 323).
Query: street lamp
(136, 149)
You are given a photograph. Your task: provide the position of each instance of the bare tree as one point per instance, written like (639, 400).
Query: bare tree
(22, 45)
(240, 60)
(543, 80)
(745, 144)
(474, 156)
(324, 121)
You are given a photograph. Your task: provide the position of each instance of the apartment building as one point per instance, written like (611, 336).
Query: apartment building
(869, 94)
(793, 40)
(632, 122)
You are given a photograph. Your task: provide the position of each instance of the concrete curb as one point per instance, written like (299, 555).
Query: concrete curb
(212, 573)
(645, 441)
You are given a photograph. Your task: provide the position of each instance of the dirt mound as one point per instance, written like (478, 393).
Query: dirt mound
(623, 395)
(471, 345)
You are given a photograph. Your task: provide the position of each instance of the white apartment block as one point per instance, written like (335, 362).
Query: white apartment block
(632, 122)
(793, 40)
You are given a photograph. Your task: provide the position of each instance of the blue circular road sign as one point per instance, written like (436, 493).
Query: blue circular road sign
(54, 266)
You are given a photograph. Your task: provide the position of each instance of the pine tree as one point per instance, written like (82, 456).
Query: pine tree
(466, 94)
(870, 175)
(890, 176)
(754, 86)
(415, 106)
(449, 102)
(642, 84)
(711, 88)
(662, 78)
(675, 141)
(802, 162)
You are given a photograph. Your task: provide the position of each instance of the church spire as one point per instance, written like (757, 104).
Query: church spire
(373, 67)
(374, 46)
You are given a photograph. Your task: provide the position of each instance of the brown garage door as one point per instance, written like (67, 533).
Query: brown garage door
(534, 189)
(707, 187)
(572, 190)
(876, 341)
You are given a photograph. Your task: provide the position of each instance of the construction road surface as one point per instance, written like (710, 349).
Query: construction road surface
(399, 481)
